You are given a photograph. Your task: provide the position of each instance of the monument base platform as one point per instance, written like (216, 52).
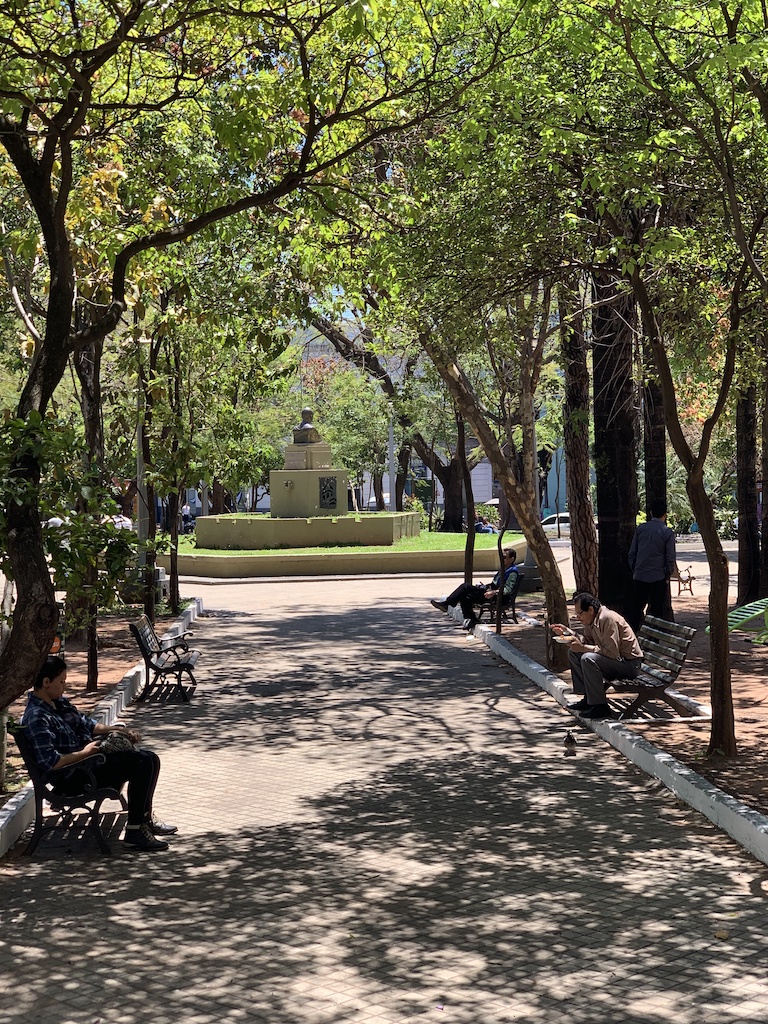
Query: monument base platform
(247, 532)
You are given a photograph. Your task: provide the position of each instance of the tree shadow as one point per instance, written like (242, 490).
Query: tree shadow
(456, 864)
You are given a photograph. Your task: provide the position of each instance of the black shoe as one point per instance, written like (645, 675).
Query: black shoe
(442, 606)
(597, 711)
(469, 624)
(141, 838)
(580, 705)
(160, 828)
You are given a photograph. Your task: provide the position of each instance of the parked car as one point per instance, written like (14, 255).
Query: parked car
(557, 524)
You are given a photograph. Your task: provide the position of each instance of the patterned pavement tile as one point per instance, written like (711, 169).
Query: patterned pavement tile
(378, 826)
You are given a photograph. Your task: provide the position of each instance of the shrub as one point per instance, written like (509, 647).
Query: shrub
(413, 504)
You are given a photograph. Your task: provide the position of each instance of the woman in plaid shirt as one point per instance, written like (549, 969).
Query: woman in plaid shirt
(61, 737)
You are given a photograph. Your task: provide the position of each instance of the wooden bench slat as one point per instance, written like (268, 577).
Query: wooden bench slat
(656, 644)
(666, 665)
(669, 640)
(654, 647)
(668, 629)
(655, 677)
(665, 647)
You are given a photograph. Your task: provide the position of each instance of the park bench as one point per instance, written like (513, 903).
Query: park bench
(164, 658)
(89, 799)
(751, 618)
(665, 646)
(507, 604)
(683, 578)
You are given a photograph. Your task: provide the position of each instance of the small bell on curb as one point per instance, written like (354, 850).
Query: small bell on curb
(569, 743)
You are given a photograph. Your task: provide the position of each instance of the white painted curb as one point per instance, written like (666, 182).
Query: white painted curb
(18, 813)
(748, 827)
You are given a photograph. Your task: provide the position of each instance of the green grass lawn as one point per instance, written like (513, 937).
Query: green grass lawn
(424, 542)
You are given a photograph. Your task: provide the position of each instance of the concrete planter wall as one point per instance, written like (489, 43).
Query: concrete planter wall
(258, 533)
(284, 563)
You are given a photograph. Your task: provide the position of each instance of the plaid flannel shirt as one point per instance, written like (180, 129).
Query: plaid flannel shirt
(54, 731)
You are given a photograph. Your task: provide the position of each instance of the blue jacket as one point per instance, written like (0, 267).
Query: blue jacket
(652, 552)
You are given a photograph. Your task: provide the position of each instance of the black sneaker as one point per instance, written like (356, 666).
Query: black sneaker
(141, 838)
(597, 711)
(441, 606)
(580, 705)
(160, 828)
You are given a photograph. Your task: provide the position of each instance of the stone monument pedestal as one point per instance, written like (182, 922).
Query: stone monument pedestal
(307, 493)
(308, 486)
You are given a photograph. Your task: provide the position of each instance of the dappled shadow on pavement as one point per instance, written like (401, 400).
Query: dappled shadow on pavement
(395, 836)
(498, 887)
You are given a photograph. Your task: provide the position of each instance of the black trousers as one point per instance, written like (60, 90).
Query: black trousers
(139, 768)
(467, 595)
(651, 596)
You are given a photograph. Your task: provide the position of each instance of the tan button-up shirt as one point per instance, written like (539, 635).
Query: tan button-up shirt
(612, 636)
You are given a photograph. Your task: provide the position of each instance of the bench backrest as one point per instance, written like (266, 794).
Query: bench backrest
(665, 646)
(518, 579)
(146, 637)
(36, 774)
(748, 616)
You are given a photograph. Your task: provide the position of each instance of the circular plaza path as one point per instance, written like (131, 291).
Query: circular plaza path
(378, 825)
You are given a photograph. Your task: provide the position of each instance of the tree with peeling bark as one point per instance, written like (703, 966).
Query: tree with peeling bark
(285, 95)
(662, 192)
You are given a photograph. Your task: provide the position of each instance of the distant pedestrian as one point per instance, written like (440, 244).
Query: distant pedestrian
(186, 518)
(652, 559)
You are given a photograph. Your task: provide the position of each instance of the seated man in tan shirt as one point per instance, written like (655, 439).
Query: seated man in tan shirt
(606, 649)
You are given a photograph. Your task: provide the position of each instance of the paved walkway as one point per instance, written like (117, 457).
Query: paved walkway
(378, 825)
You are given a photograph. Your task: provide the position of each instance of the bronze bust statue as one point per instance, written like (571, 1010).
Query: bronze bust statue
(306, 432)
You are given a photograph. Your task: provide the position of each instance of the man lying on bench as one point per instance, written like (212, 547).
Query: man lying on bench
(469, 594)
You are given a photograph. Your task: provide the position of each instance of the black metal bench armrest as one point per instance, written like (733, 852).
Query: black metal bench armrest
(54, 775)
(172, 643)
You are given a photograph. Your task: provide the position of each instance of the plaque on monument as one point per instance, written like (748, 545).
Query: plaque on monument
(328, 492)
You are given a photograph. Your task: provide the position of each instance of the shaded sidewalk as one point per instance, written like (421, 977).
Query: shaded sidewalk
(378, 825)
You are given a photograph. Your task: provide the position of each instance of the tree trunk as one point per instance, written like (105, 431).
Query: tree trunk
(723, 733)
(6, 609)
(522, 501)
(217, 493)
(378, 490)
(764, 492)
(149, 596)
(654, 448)
(174, 596)
(452, 479)
(576, 445)
(88, 366)
(469, 547)
(148, 571)
(615, 432)
(746, 496)
(654, 434)
(35, 615)
(722, 737)
(403, 462)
